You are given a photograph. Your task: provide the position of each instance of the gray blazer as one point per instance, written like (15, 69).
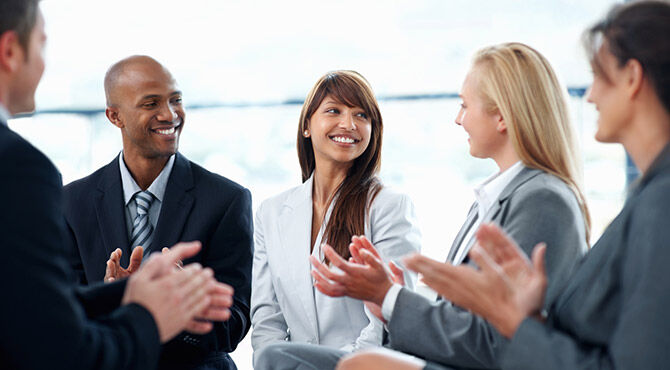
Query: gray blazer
(535, 207)
(613, 312)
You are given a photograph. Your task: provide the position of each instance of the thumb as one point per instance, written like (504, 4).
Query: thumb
(538, 258)
(398, 273)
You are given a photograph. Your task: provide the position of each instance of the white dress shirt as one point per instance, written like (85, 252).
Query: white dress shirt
(130, 188)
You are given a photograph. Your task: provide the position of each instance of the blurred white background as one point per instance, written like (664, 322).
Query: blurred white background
(244, 56)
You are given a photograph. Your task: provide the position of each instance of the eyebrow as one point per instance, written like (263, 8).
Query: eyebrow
(155, 96)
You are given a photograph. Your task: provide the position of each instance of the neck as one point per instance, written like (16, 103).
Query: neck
(144, 170)
(649, 133)
(327, 178)
(506, 157)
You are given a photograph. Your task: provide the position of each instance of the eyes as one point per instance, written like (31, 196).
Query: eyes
(333, 110)
(155, 103)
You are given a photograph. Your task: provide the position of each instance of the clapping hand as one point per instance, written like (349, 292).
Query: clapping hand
(506, 289)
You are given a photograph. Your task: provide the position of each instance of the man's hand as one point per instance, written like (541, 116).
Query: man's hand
(176, 297)
(506, 289)
(114, 271)
(218, 309)
(369, 281)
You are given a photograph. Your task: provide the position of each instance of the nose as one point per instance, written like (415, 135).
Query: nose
(459, 117)
(167, 113)
(348, 122)
(589, 94)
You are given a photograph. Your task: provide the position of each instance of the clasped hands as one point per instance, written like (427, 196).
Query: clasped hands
(187, 298)
(506, 288)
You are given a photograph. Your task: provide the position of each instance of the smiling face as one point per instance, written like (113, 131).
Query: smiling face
(339, 133)
(486, 136)
(145, 104)
(609, 95)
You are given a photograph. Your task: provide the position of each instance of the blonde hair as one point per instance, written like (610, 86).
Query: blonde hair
(519, 83)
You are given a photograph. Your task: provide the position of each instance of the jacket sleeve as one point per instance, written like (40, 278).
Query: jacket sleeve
(44, 324)
(460, 338)
(266, 315)
(232, 265)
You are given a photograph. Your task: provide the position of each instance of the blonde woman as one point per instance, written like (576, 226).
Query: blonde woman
(515, 113)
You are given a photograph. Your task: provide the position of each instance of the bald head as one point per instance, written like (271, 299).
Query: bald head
(129, 72)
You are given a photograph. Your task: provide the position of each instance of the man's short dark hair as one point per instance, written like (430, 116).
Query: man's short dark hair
(19, 16)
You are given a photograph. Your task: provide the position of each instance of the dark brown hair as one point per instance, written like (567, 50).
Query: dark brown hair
(19, 16)
(361, 185)
(640, 31)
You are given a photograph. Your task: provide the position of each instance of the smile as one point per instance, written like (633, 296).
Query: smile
(343, 139)
(167, 131)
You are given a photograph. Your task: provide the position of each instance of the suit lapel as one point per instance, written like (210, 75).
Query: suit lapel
(469, 221)
(493, 213)
(176, 207)
(109, 209)
(296, 234)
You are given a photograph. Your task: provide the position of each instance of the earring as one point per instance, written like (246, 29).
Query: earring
(305, 133)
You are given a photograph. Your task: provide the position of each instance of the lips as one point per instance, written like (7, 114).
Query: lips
(344, 139)
(167, 131)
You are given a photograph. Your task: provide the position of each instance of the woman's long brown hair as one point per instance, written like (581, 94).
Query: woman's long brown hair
(361, 185)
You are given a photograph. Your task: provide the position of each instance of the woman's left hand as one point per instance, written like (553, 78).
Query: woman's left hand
(507, 288)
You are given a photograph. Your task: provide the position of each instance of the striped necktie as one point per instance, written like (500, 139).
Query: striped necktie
(142, 229)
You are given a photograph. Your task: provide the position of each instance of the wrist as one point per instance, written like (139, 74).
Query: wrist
(383, 291)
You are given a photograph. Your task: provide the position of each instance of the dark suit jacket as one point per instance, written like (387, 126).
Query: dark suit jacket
(47, 323)
(534, 207)
(613, 311)
(198, 205)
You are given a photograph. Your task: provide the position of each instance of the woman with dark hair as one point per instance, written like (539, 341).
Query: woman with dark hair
(612, 312)
(339, 148)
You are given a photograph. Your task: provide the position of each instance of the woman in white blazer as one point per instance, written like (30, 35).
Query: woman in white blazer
(339, 148)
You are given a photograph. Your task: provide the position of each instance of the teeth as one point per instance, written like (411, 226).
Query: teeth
(342, 139)
(169, 131)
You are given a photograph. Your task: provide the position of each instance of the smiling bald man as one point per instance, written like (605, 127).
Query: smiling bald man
(151, 196)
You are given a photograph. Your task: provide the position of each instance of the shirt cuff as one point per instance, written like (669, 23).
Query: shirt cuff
(389, 301)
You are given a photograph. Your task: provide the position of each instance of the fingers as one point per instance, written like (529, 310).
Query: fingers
(160, 264)
(484, 260)
(366, 244)
(355, 254)
(371, 260)
(112, 266)
(328, 288)
(182, 251)
(398, 273)
(538, 258)
(136, 259)
(336, 259)
(325, 271)
(199, 327)
(165, 250)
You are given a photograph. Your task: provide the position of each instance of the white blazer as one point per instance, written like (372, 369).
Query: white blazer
(283, 304)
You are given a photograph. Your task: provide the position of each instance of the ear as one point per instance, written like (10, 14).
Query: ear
(634, 77)
(12, 54)
(501, 126)
(112, 114)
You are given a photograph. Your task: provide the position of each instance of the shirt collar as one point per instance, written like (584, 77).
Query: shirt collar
(491, 188)
(4, 115)
(157, 188)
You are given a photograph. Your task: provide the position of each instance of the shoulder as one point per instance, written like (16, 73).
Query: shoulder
(544, 188)
(653, 202)
(83, 185)
(213, 183)
(20, 160)
(276, 202)
(390, 202)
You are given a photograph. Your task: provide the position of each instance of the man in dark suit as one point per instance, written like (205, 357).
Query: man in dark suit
(152, 196)
(46, 322)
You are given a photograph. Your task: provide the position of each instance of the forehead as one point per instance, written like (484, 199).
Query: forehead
(147, 79)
